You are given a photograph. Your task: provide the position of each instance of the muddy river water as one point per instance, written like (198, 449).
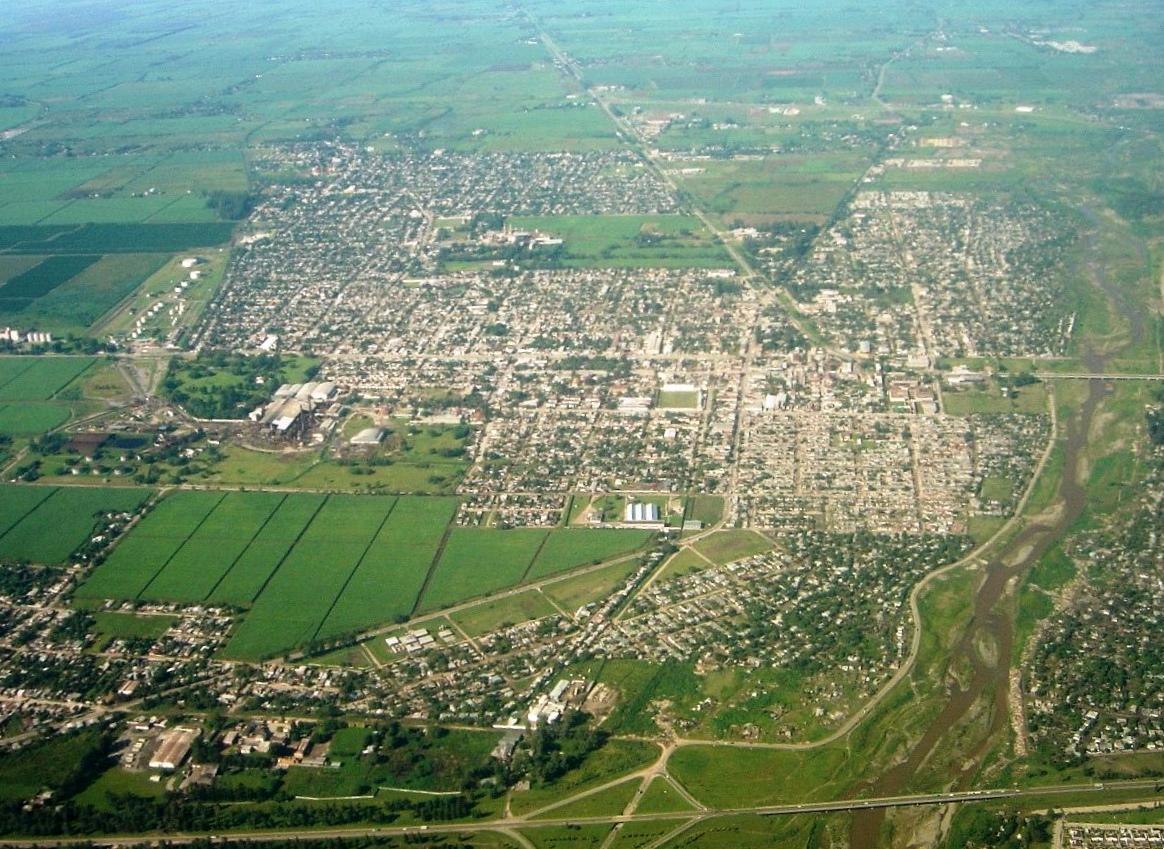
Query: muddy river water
(991, 619)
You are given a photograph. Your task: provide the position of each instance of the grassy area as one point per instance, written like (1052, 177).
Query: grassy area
(982, 528)
(567, 836)
(616, 758)
(996, 488)
(763, 777)
(117, 782)
(993, 398)
(726, 546)
(706, 508)
(684, 562)
(774, 185)
(493, 615)
(662, 798)
(609, 802)
(630, 241)
(44, 765)
(574, 593)
(110, 626)
(636, 835)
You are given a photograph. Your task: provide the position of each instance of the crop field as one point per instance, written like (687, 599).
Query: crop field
(46, 525)
(204, 558)
(38, 378)
(572, 547)
(27, 419)
(479, 561)
(20, 291)
(250, 572)
(314, 567)
(389, 578)
(75, 304)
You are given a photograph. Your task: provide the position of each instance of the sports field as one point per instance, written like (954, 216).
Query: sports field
(311, 567)
(47, 524)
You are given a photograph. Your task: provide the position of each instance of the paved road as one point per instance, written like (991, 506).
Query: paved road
(511, 823)
(1075, 375)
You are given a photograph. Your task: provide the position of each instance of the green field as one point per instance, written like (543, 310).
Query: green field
(18, 293)
(662, 798)
(609, 802)
(44, 765)
(105, 238)
(38, 378)
(110, 626)
(577, 591)
(616, 758)
(479, 561)
(27, 419)
(46, 525)
(572, 547)
(313, 567)
(630, 241)
(250, 572)
(388, 580)
(492, 615)
(204, 559)
(726, 546)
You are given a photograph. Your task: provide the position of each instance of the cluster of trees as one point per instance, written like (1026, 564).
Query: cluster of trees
(223, 385)
(128, 814)
(554, 750)
(1156, 419)
(405, 753)
(975, 827)
(231, 206)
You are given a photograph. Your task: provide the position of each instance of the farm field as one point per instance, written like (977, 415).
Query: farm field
(29, 419)
(480, 561)
(47, 524)
(68, 293)
(38, 378)
(41, 393)
(569, 548)
(389, 578)
(312, 567)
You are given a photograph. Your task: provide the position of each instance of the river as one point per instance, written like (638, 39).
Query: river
(991, 619)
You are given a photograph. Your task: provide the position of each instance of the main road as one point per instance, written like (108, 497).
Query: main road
(511, 823)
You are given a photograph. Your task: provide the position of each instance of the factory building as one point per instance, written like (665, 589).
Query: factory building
(642, 512)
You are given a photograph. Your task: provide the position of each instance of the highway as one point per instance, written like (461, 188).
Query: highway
(1058, 375)
(511, 823)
